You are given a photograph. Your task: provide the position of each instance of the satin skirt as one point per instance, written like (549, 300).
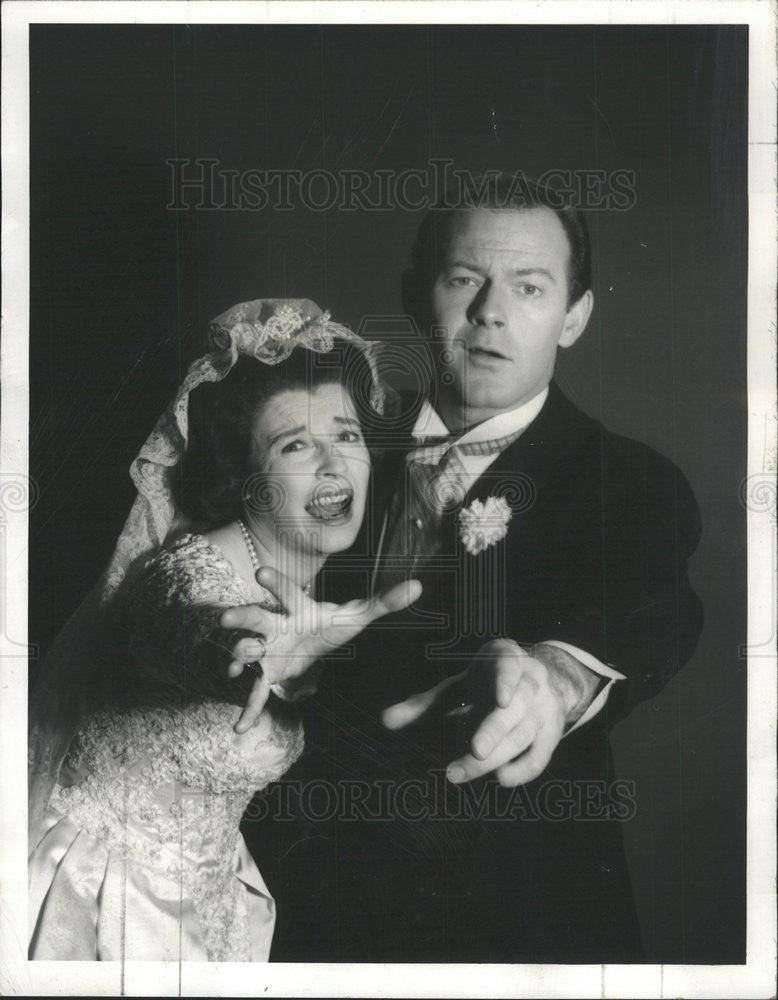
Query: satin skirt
(87, 903)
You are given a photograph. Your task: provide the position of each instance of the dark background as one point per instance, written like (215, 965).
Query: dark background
(122, 288)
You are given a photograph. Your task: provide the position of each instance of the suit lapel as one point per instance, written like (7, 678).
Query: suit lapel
(520, 472)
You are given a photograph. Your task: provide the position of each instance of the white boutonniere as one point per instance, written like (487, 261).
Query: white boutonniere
(483, 524)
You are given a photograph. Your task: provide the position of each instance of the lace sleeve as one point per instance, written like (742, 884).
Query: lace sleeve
(168, 634)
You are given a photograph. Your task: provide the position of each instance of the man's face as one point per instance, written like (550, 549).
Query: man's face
(499, 303)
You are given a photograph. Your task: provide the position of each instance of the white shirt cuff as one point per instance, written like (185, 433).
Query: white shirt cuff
(598, 668)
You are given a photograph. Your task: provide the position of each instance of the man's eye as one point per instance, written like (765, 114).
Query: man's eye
(462, 281)
(350, 437)
(530, 291)
(296, 445)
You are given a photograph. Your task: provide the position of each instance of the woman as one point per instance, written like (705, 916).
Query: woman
(140, 769)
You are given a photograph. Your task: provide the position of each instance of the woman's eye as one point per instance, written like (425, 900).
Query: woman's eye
(296, 445)
(350, 437)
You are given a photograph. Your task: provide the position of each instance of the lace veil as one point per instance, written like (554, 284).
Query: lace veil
(267, 329)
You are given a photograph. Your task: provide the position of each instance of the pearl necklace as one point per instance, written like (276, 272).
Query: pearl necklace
(252, 551)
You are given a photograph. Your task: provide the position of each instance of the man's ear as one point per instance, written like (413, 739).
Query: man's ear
(576, 319)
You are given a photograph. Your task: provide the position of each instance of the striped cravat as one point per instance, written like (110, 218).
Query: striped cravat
(447, 483)
(436, 483)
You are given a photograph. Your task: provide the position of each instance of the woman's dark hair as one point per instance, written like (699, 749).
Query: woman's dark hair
(495, 190)
(216, 463)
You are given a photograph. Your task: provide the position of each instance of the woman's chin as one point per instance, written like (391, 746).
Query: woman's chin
(336, 538)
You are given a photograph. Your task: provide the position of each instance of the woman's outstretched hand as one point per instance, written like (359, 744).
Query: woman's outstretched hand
(288, 644)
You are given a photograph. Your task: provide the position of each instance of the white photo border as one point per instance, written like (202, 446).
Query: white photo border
(754, 979)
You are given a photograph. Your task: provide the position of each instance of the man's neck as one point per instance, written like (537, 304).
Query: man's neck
(460, 418)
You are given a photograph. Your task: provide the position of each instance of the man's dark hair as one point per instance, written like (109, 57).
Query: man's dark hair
(494, 190)
(217, 461)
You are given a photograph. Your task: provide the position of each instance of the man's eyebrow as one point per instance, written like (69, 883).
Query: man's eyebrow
(524, 272)
(519, 272)
(289, 432)
(469, 265)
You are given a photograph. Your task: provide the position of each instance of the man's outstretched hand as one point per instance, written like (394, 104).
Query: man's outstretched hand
(289, 643)
(526, 700)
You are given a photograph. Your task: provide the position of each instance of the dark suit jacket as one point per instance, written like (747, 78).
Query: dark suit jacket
(383, 860)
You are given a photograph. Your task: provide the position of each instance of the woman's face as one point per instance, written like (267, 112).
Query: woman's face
(312, 469)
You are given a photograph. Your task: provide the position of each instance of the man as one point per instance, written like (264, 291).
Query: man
(476, 813)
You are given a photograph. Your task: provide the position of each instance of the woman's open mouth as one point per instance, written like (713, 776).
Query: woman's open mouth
(330, 504)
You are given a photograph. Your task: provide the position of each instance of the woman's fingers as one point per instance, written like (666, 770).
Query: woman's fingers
(250, 648)
(358, 614)
(350, 618)
(286, 592)
(250, 617)
(395, 599)
(308, 631)
(249, 717)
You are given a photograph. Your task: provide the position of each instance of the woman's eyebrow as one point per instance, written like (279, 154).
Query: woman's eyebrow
(348, 421)
(290, 432)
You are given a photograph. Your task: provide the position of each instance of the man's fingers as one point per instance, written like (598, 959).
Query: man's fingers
(260, 692)
(408, 711)
(531, 764)
(508, 671)
(497, 725)
(405, 712)
(515, 742)
(457, 696)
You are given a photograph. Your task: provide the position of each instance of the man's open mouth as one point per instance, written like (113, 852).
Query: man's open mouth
(330, 504)
(485, 352)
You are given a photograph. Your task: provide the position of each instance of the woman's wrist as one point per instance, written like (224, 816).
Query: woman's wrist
(296, 688)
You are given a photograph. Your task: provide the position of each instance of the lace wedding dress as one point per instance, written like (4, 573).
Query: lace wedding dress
(139, 856)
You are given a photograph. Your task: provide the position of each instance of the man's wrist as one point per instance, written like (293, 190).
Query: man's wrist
(574, 683)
